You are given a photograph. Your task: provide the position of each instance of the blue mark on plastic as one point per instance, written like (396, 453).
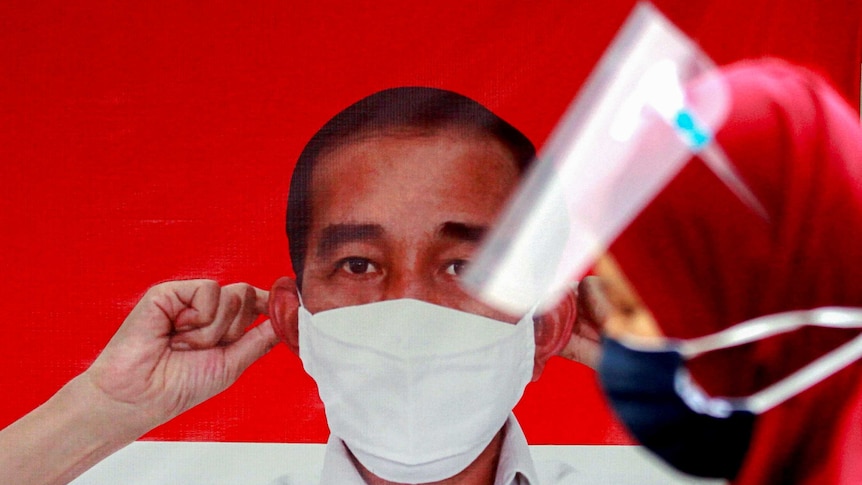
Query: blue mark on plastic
(695, 134)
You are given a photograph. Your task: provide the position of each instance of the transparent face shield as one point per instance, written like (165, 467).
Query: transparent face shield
(630, 130)
(628, 133)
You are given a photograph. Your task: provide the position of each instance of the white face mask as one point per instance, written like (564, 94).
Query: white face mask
(415, 390)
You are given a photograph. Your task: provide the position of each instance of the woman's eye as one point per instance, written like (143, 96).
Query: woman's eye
(358, 266)
(456, 267)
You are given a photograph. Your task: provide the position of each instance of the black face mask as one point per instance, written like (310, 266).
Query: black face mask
(641, 386)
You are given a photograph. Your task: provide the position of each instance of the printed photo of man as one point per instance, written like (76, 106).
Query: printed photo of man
(388, 201)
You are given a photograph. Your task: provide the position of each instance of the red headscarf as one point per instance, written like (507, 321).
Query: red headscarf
(703, 261)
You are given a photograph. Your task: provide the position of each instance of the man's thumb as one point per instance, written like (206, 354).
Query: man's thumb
(253, 345)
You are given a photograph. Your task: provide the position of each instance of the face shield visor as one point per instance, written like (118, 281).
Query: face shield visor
(628, 133)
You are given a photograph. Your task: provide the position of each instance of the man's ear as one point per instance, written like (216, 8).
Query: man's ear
(283, 303)
(553, 330)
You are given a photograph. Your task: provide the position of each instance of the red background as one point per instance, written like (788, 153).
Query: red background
(148, 141)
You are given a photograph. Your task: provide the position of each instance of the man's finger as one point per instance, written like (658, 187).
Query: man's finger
(247, 314)
(198, 302)
(587, 330)
(252, 346)
(239, 306)
(583, 350)
(166, 306)
(232, 299)
(593, 305)
(261, 302)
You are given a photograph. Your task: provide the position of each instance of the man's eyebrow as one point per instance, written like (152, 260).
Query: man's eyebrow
(334, 236)
(462, 231)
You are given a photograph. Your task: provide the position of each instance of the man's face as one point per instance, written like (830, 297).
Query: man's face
(398, 215)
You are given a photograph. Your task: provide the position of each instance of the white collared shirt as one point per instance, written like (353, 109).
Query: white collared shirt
(514, 468)
(201, 463)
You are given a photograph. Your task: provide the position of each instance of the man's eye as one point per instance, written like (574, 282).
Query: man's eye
(358, 266)
(456, 267)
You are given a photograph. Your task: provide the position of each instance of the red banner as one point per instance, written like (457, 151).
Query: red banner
(155, 141)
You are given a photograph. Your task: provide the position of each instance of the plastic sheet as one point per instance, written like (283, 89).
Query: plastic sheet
(628, 132)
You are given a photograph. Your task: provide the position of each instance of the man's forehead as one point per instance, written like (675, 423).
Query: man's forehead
(406, 136)
(423, 186)
(450, 156)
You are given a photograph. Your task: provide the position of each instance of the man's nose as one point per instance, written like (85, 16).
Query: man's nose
(408, 284)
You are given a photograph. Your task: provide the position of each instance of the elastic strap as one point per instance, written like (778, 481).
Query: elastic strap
(759, 328)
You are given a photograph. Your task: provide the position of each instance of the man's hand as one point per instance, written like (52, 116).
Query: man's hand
(584, 344)
(609, 305)
(184, 342)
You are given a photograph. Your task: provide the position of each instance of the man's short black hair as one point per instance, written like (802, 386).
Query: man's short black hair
(404, 108)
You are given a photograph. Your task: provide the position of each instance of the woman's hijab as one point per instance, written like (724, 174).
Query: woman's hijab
(703, 260)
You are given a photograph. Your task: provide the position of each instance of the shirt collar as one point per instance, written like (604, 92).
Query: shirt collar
(338, 467)
(516, 465)
(514, 468)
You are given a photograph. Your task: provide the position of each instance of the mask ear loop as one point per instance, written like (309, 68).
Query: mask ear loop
(806, 377)
(763, 327)
(532, 313)
(770, 325)
(299, 297)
